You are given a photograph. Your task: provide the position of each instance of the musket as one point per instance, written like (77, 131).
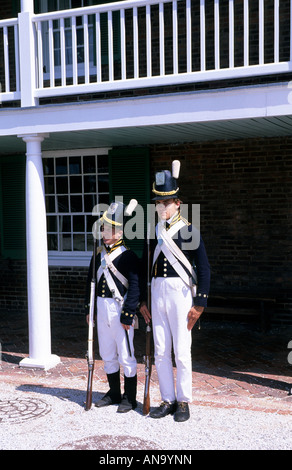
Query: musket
(148, 367)
(147, 357)
(128, 342)
(90, 352)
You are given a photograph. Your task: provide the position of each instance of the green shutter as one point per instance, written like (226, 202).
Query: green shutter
(15, 8)
(12, 207)
(129, 178)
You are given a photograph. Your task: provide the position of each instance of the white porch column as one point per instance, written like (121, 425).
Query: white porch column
(27, 5)
(27, 54)
(37, 260)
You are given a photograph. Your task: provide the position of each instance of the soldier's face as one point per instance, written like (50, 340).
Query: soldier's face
(166, 208)
(110, 234)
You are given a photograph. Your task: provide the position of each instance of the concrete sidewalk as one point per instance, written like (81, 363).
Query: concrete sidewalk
(241, 393)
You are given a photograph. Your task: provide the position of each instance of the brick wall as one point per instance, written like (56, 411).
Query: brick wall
(245, 193)
(13, 288)
(67, 287)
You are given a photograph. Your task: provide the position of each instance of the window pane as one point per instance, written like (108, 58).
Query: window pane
(65, 223)
(90, 220)
(63, 205)
(103, 184)
(49, 185)
(52, 223)
(78, 223)
(48, 164)
(89, 202)
(75, 184)
(65, 242)
(90, 184)
(75, 165)
(78, 243)
(61, 166)
(89, 243)
(57, 58)
(89, 164)
(52, 242)
(62, 185)
(50, 203)
(76, 203)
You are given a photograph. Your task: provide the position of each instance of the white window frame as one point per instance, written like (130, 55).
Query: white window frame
(72, 258)
(69, 67)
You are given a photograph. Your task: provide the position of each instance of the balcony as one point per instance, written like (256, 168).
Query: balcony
(141, 44)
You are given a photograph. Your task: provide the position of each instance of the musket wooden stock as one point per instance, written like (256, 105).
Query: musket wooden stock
(89, 387)
(90, 353)
(148, 368)
(147, 357)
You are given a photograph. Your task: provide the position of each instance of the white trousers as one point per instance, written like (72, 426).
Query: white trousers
(113, 347)
(171, 302)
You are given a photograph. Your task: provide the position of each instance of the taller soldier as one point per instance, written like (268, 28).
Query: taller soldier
(117, 300)
(179, 291)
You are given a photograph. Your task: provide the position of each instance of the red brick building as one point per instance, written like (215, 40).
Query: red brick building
(106, 93)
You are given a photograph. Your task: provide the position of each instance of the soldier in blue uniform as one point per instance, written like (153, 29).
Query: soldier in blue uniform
(179, 292)
(117, 300)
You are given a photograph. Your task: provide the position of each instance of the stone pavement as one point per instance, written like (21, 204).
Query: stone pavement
(234, 364)
(241, 392)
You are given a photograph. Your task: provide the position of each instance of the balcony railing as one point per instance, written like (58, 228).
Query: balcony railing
(9, 60)
(134, 44)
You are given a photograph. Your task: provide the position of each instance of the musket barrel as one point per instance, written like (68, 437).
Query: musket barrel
(90, 355)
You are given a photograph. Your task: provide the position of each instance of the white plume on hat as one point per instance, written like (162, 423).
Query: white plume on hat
(131, 207)
(175, 168)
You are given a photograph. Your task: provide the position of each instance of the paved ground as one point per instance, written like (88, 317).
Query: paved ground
(241, 393)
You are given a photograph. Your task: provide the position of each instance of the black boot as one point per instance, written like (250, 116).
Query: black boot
(129, 398)
(113, 396)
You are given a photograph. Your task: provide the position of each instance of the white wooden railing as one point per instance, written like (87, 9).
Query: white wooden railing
(140, 43)
(9, 60)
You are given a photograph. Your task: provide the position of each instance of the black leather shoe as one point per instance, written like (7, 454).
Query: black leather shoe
(182, 412)
(126, 405)
(106, 401)
(164, 409)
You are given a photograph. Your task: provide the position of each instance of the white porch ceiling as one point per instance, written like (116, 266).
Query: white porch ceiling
(146, 135)
(261, 111)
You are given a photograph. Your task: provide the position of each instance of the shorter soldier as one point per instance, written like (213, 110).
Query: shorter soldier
(117, 300)
(179, 292)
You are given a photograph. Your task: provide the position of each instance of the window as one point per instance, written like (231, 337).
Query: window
(75, 181)
(57, 5)
(43, 6)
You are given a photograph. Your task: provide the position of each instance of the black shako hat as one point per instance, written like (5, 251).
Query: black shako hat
(118, 213)
(165, 184)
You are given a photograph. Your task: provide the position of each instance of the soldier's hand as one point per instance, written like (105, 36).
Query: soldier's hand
(194, 315)
(87, 320)
(145, 312)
